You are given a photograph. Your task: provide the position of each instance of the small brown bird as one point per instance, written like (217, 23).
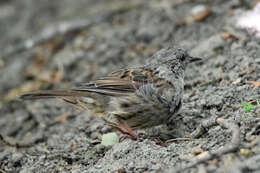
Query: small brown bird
(132, 98)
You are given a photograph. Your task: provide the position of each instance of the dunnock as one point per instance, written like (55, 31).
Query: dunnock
(132, 98)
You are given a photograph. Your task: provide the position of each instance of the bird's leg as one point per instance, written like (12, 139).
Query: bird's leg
(118, 129)
(129, 133)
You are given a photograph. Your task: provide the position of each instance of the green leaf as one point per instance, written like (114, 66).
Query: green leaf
(109, 139)
(244, 103)
(248, 106)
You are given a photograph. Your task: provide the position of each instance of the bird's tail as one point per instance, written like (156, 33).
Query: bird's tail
(51, 94)
(72, 96)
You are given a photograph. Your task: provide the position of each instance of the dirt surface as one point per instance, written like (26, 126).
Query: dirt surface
(121, 34)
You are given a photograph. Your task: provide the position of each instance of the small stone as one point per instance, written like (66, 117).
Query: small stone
(17, 157)
(97, 166)
(237, 81)
(100, 148)
(198, 9)
(257, 60)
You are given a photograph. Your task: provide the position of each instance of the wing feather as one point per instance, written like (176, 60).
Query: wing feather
(122, 82)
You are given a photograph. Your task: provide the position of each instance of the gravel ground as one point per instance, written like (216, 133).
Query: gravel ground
(121, 34)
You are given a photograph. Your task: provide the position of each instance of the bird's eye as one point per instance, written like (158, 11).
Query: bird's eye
(182, 57)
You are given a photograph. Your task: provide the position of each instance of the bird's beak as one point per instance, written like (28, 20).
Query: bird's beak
(193, 59)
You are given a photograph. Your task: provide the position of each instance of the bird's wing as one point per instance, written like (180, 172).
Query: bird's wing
(118, 83)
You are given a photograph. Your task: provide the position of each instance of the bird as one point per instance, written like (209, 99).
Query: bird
(132, 98)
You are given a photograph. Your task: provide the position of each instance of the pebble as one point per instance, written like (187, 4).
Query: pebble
(198, 9)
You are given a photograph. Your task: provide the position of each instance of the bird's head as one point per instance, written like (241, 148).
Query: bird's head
(173, 57)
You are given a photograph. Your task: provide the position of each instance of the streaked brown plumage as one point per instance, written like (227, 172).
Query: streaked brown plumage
(132, 98)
